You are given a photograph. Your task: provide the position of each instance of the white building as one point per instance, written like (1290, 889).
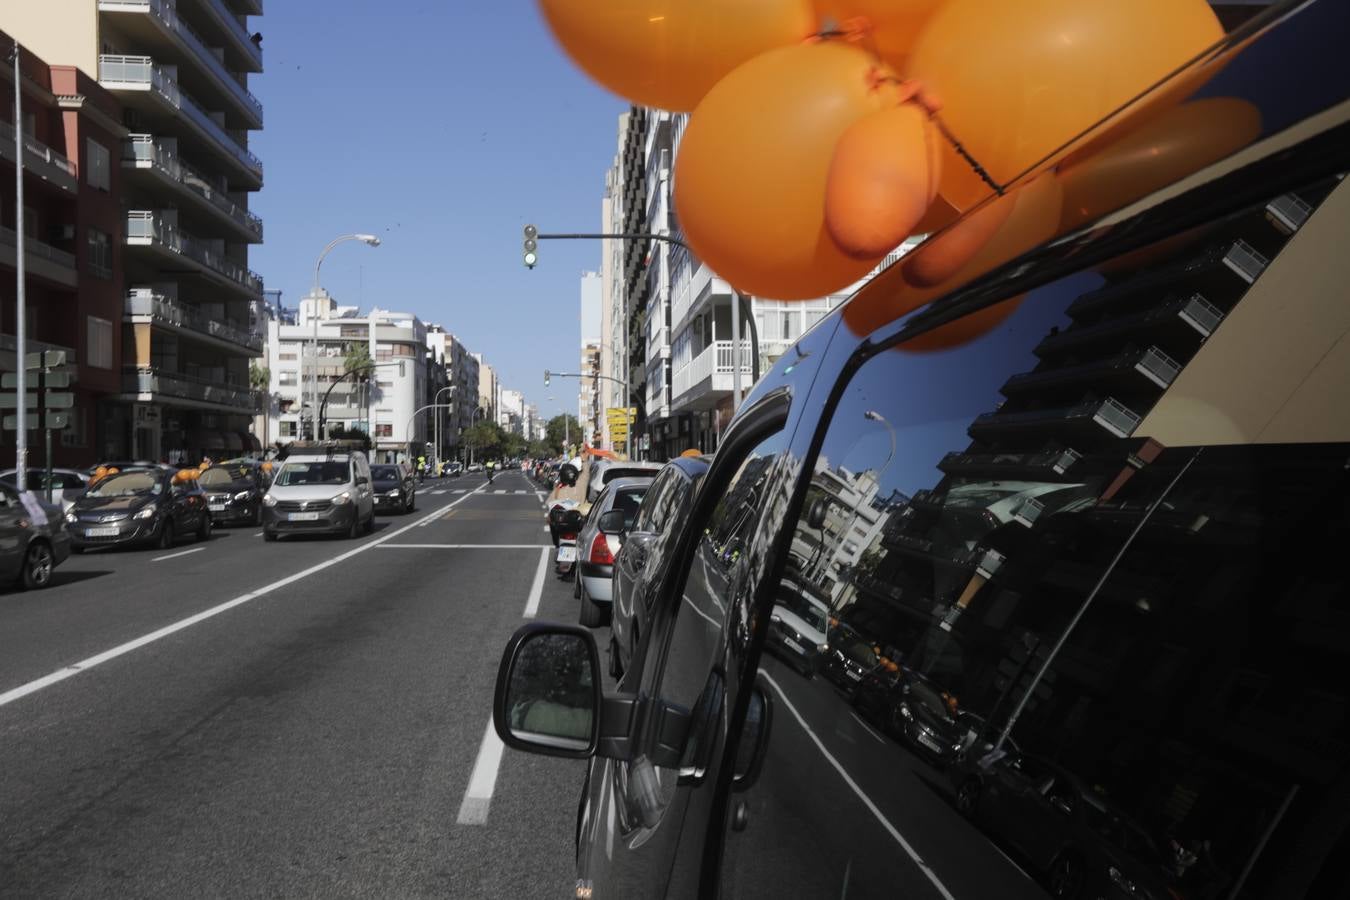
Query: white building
(383, 406)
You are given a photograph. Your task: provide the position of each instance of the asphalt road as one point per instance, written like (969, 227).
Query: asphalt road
(305, 718)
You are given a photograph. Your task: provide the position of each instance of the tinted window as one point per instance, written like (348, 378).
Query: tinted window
(385, 473)
(1068, 536)
(629, 501)
(221, 476)
(126, 484)
(652, 516)
(299, 473)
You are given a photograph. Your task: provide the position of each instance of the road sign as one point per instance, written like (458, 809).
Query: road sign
(10, 380)
(54, 420)
(619, 411)
(9, 401)
(51, 399)
(618, 434)
(45, 359)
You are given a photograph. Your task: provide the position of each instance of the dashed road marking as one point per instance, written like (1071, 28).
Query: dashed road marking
(180, 553)
(478, 796)
(537, 589)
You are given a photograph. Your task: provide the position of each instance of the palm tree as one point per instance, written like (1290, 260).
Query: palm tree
(260, 382)
(356, 358)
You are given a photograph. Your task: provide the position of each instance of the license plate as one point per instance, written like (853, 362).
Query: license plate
(304, 517)
(929, 743)
(112, 531)
(217, 507)
(856, 676)
(793, 645)
(567, 554)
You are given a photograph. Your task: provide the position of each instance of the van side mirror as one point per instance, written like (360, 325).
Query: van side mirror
(548, 696)
(815, 516)
(612, 522)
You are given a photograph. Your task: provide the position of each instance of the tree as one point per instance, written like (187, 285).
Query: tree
(260, 381)
(356, 356)
(559, 430)
(484, 438)
(342, 432)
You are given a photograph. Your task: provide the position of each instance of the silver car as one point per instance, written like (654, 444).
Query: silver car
(67, 484)
(30, 549)
(597, 546)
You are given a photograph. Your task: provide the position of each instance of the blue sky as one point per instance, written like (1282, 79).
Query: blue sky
(443, 128)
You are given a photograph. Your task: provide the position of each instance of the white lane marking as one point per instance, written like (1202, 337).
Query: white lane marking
(537, 589)
(473, 810)
(84, 665)
(694, 607)
(459, 491)
(869, 728)
(179, 553)
(467, 547)
(499, 492)
(259, 534)
(546, 528)
(441, 491)
(848, 779)
(522, 492)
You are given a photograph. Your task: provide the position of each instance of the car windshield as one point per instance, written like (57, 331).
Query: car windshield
(220, 476)
(857, 650)
(127, 484)
(629, 501)
(931, 700)
(614, 472)
(293, 474)
(1115, 827)
(384, 473)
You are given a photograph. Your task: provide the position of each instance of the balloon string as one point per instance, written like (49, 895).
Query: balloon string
(970, 160)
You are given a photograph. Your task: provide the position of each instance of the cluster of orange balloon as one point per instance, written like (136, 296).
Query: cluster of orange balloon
(101, 473)
(186, 475)
(825, 132)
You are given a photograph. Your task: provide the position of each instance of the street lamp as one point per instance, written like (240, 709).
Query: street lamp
(368, 239)
(473, 420)
(435, 400)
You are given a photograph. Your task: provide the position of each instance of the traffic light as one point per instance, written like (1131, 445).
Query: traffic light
(547, 376)
(531, 246)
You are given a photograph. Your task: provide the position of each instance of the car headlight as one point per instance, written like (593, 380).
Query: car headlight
(147, 513)
(241, 496)
(344, 497)
(904, 711)
(71, 518)
(824, 648)
(393, 493)
(1121, 881)
(269, 500)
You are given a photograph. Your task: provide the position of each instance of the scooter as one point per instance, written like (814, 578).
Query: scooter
(565, 523)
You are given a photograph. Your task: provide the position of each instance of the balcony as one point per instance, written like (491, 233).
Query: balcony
(1045, 465)
(147, 306)
(150, 385)
(1288, 213)
(710, 376)
(1182, 320)
(1130, 370)
(141, 152)
(1089, 418)
(136, 76)
(226, 23)
(147, 229)
(40, 160)
(689, 298)
(40, 260)
(156, 23)
(1245, 262)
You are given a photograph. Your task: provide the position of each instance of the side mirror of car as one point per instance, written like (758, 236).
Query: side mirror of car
(754, 741)
(361, 479)
(815, 516)
(548, 696)
(612, 522)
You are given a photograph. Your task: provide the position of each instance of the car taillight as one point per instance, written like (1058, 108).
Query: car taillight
(600, 554)
(567, 537)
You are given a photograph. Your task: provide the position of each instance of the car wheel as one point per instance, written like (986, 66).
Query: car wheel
(166, 535)
(370, 522)
(592, 614)
(355, 531)
(269, 534)
(968, 797)
(257, 515)
(576, 589)
(204, 529)
(1066, 877)
(38, 565)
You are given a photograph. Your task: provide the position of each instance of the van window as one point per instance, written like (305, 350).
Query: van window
(304, 472)
(1105, 534)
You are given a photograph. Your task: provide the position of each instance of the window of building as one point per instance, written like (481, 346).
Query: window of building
(286, 429)
(100, 253)
(353, 331)
(286, 357)
(98, 165)
(286, 378)
(384, 429)
(98, 343)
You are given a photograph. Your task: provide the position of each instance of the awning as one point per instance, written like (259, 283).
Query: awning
(207, 440)
(232, 441)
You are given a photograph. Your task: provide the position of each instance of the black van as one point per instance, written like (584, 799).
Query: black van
(1106, 506)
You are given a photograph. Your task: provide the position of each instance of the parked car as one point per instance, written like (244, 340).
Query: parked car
(30, 548)
(395, 488)
(603, 471)
(600, 540)
(642, 560)
(847, 657)
(320, 490)
(234, 491)
(140, 506)
(67, 484)
(798, 628)
(1161, 320)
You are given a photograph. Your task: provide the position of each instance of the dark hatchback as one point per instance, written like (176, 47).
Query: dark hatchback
(395, 488)
(846, 659)
(234, 492)
(138, 506)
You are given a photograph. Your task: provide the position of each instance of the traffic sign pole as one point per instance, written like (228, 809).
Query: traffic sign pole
(20, 326)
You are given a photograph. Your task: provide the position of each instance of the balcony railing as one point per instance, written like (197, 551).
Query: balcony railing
(143, 151)
(1057, 461)
(140, 302)
(716, 359)
(39, 158)
(146, 228)
(36, 248)
(1243, 259)
(1107, 413)
(1201, 314)
(167, 15)
(1288, 212)
(142, 72)
(226, 19)
(172, 384)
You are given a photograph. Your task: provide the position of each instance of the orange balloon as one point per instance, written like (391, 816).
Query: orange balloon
(944, 255)
(940, 214)
(1170, 146)
(1033, 219)
(883, 177)
(752, 168)
(889, 26)
(962, 331)
(1020, 80)
(669, 53)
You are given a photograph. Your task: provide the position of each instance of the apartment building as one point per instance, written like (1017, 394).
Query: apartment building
(383, 404)
(591, 397)
(72, 247)
(179, 69)
(489, 393)
(461, 389)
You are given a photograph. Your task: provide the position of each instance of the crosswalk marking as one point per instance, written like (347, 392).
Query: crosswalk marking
(459, 491)
(522, 492)
(442, 491)
(499, 492)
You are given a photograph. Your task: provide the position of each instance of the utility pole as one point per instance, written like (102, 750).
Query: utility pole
(20, 323)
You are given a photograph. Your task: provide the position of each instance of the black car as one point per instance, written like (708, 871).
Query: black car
(147, 506)
(395, 488)
(847, 657)
(1159, 323)
(234, 491)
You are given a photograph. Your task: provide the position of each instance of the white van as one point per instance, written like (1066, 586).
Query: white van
(320, 489)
